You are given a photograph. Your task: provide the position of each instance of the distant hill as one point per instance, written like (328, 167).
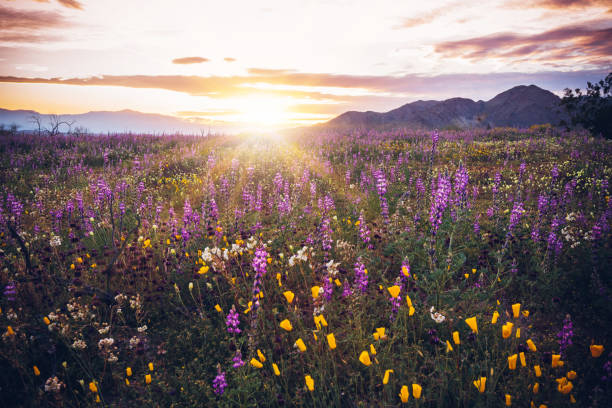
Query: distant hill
(521, 106)
(104, 121)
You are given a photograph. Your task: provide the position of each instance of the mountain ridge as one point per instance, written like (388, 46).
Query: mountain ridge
(520, 106)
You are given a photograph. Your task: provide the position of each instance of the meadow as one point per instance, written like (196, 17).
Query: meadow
(349, 269)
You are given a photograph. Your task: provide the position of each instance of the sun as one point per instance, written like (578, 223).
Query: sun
(263, 111)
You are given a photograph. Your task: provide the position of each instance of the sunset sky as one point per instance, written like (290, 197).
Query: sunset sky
(285, 63)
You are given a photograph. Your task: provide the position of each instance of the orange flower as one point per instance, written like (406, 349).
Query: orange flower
(516, 310)
(596, 350)
(416, 391)
(364, 357)
(286, 324)
(309, 382)
(394, 291)
(473, 324)
(331, 341)
(404, 395)
(289, 295)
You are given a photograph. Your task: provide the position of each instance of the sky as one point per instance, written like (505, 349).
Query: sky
(288, 63)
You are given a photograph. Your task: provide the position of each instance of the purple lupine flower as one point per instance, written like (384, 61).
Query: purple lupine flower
(439, 203)
(10, 291)
(346, 289)
(326, 234)
(515, 216)
(237, 359)
(565, 335)
(364, 232)
(232, 321)
(260, 264)
(361, 277)
(219, 383)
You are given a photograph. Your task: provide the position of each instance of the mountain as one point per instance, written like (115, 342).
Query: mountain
(104, 121)
(521, 106)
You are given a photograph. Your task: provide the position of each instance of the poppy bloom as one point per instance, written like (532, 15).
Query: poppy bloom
(36, 371)
(456, 337)
(538, 370)
(93, 387)
(404, 394)
(309, 382)
(508, 400)
(386, 376)
(596, 350)
(315, 291)
(473, 324)
(571, 375)
(480, 384)
(394, 291)
(331, 341)
(286, 324)
(531, 345)
(536, 388)
(261, 356)
(449, 348)
(512, 362)
(299, 343)
(289, 295)
(150, 366)
(495, 317)
(128, 371)
(276, 370)
(522, 358)
(507, 329)
(148, 378)
(256, 363)
(416, 391)
(516, 310)
(556, 361)
(364, 357)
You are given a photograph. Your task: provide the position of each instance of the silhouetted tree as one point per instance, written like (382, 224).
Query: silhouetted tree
(592, 110)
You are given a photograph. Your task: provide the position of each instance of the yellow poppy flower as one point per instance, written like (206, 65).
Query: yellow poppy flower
(289, 295)
(286, 325)
(256, 363)
(404, 394)
(218, 308)
(556, 361)
(331, 341)
(531, 345)
(449, 348)
(128, 371)
(522, 358)
(516, 310)
(507, 329)
(148, 378)
(46, 320)
(456, 337)
(410, 311)
(480, 384)
(495, 317)
(364, 357)
(276, 370)
(538, 370)
(408, 301)
(473, 324)
(315, 291)
(309, 382)
(261, 356)
(416, 391)
(386, 376)
(150, 366)
(596, 350)
(299, 343)
(512, 362)
(571, 375)
(508, 400)
(36, 371)
(380, 331)
(394, 291)
(536, 388)
(93, 387)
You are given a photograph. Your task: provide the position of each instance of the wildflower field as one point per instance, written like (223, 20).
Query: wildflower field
(356, 269)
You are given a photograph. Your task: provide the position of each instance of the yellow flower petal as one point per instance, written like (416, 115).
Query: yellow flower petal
(364, 357)
(473, 324)
(331, 341)
(394, 291)
(286, 325)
